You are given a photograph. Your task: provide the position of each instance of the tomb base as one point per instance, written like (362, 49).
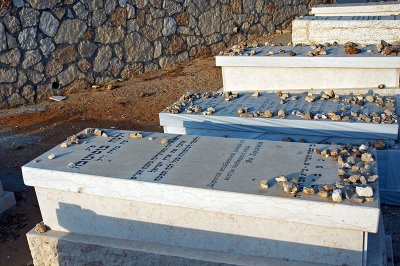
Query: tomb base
(61, 248)
(7, 200)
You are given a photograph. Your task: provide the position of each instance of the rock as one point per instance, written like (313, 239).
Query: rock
(169, 26)
(379, 145)
(29, 17)
(107, 34)
(367, 157)
(136, 135)
(137, 48)
(18, 3)
(27, 38)
(81, 11)
(358, 199)
(68, 75)
(323, 193)
(94, 4)
(15, 99)
(86, 49)
(209, 22)
(48, 24)
(372, 178)
(164, 141)
(28, 93)
(348, 192)
(34, 76)
(53, 68)
(329, 187)
(46, 46)
(281, 178)
(40, 227)
(352, 50)
(98, 17)
(364, 191)
(70, 31)
(309, 190)
(118, 16)
(3, 38)
(289, 187)
(11, 42)
(32, 57)
(102, 59)
(64, 145)
(263, 185)
(8, 75)
(43, 4)
(11, 23)
(11, 58)
(337, 195)
(65, 55)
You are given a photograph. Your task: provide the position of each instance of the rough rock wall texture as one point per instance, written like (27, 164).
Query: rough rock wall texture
(51, 47)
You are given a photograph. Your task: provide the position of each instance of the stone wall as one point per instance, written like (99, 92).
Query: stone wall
(52, 47)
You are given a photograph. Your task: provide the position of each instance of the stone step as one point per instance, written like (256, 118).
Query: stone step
(358, 9)
(359, 29)
(280, 71)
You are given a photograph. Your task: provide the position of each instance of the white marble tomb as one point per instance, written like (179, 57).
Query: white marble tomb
(335, 70)
(196, 193)
(359, 29)
(227, 119)
(358, 9)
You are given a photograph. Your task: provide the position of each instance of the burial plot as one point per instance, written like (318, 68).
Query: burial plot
(360, 29)
(358, 9)
(303, 68)
(364, 116)
(205, 194)
(7, 199)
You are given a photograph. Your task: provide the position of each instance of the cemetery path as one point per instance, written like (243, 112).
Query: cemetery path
(132, 105)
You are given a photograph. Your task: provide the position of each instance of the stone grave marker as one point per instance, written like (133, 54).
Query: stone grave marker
(362, 30)
(204, 194)
(272, 68)
(389, 8)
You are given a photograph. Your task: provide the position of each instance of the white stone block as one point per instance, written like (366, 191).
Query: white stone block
(301, 72)
(361, 30)
(358, 9)
(175, 175)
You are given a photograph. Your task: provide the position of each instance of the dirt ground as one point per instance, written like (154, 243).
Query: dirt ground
(133, 105)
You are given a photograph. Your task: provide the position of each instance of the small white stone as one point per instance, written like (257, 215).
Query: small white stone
(364, 191)
(263, 185)
(64, 145)
(51, 156)
(337, 195)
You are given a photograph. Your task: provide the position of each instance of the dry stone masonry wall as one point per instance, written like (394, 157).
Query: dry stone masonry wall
(49, 47)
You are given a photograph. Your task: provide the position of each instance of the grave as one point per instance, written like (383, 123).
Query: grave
(358, 9)
(7, 199)
(190, 195)
(295, 107)
(359, 29)
(273, 68)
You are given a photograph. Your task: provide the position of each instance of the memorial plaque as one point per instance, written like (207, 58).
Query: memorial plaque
(358, 9)
(342, 29)
(280, 71)
(227, 118)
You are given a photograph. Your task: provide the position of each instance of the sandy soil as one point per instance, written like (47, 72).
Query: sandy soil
(134, 104)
